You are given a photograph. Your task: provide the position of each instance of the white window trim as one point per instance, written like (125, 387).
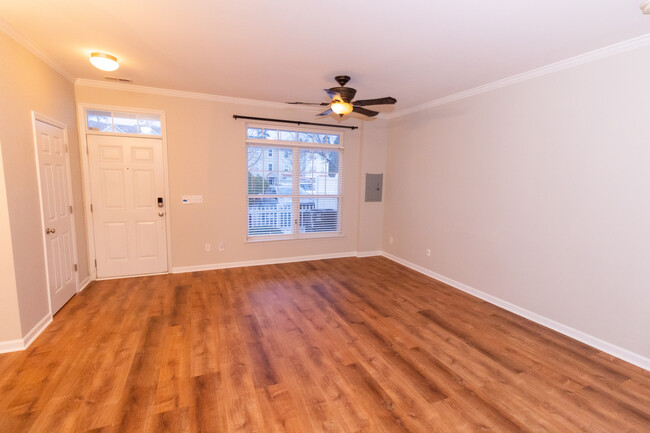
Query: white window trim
(297, 145)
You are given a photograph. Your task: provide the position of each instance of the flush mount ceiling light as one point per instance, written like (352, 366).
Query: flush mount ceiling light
(645, 7)
(104, 61)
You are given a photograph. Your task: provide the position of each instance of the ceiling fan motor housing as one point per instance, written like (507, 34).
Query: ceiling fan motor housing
(346, 93)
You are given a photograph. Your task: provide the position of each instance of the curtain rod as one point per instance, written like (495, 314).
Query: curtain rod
(297, 122)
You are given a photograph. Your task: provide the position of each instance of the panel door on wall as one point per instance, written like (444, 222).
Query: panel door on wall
(57, 213)
(127, 188)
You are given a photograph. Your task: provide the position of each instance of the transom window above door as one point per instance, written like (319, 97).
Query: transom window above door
(123, 123)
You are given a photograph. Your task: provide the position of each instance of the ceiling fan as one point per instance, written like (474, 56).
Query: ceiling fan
(342, 100)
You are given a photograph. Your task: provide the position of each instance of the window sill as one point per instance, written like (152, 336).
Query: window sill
(292, 238)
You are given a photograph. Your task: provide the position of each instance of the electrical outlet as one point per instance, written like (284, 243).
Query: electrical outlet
(390, 240)
(222, 246)
(428, 253)
(208, 248)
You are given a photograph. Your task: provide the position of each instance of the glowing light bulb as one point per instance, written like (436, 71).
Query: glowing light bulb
(104, 61)
(341, 107)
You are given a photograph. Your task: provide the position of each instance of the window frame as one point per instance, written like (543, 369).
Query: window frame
(123, 111)
(296, 146)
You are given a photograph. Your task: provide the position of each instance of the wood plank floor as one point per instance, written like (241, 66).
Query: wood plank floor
(345, 345)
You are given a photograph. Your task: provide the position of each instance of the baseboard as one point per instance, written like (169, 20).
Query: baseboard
(37, 330)
(83, 284)
(11, 345)
(273, 261)
(612, 349)
(23, 343)
(369, 253)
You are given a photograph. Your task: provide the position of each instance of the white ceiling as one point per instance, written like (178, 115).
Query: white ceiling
(286, 50)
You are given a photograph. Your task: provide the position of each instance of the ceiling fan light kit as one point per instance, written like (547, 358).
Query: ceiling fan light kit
(342, 100)
(645, 7)
(341, 108)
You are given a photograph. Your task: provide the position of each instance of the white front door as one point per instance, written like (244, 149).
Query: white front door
(129, 206)
(54, 176)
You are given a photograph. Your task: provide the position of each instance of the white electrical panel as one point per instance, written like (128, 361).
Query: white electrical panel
(192, 199)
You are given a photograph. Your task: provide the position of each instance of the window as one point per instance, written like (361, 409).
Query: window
(123, 123)
(295, 183)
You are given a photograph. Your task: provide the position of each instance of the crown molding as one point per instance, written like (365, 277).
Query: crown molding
(29, 46)
(588, 57)
(184, 94)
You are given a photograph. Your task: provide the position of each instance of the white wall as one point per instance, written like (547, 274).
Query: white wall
(207, 155)
(536, 193)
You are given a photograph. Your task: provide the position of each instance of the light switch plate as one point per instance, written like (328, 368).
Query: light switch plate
(192, 199)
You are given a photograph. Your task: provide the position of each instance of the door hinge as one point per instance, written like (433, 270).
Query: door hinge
(75, 267)
(95, 263)
(91, 207)
(70, 208)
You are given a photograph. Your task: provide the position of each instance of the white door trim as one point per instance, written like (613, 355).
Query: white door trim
(42, 118)
(85, 171)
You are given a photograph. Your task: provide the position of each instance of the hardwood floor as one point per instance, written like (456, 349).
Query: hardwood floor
(345, 345)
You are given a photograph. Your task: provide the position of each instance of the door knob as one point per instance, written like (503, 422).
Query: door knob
(49, 230)
(160, 214)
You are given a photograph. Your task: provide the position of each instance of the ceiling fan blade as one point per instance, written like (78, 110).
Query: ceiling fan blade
(365, 112)
(309, 103)
(331, 93)
(325, 113)
(377, 101)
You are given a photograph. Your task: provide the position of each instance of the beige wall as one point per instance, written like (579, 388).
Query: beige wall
(207, 155)
(9, 314)
(27, 83)
(537, 194)
(373, 160)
